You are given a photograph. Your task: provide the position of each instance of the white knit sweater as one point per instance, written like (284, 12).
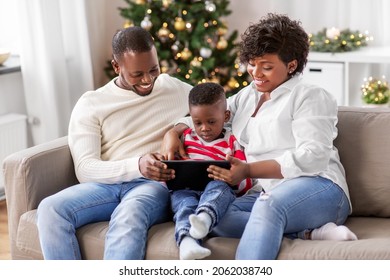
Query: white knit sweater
(110, 128)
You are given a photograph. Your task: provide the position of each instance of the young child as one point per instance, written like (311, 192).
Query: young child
(197, 212)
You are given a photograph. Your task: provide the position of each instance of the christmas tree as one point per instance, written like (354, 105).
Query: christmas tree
(192, 40)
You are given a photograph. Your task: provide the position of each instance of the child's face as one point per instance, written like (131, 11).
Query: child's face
(209, 119)
(138, 71)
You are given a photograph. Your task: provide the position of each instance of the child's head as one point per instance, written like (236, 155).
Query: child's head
(207, 103)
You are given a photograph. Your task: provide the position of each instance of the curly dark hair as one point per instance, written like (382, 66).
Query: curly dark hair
(276, 34)
(131, 39)
(206, 94)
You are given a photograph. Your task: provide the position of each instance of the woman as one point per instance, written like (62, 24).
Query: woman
(287, 129)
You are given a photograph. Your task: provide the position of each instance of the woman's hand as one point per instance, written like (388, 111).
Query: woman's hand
(172, 147)
(151, 167)
(238, 171)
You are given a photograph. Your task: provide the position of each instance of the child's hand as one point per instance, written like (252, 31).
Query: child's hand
(238, 171)
(172, 147)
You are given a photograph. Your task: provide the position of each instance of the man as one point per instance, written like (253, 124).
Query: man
(114, 134)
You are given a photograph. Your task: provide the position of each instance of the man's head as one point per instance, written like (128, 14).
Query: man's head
(207, 102)
(135, 60)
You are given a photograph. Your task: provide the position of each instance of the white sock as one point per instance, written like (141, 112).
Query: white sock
(190, 249)
(331, 231)
(200, 225)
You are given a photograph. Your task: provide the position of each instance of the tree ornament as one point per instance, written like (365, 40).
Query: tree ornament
(232, 83)
(213, 79)
(163, 32)
(175, 47)
(185, 54)
(222, 44)
(222, 31)
(179, 24)
(210, 6)
(140, 2)
(195, 62)
(128, 23)
(146, 23)
(205, 52)
(166, 3)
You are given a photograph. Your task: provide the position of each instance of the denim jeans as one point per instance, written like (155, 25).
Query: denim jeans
(214, 200)
(291, 207)
(131, 207)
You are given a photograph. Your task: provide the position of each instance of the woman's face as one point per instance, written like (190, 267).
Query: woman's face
(268, 71)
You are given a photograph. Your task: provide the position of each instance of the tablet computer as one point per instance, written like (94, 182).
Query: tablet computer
(192, 174)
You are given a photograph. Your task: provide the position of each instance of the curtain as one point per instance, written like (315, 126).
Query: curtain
(56, 60)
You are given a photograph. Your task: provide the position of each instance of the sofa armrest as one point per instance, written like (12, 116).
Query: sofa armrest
(33, 174)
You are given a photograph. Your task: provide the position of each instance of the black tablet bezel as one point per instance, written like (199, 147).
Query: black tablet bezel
(192, 174)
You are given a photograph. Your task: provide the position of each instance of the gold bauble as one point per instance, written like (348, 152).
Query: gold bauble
(185, 54)
(163, 32)
(139, 2)
(195, 62)
(128, 23)
(232, 83)
(213, 79)
(179, 24)
(222, 31)
(166, 3)
(222, 44)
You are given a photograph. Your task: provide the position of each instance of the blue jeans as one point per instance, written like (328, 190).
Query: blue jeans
(292, 207)
(214, 200)
(131, 207)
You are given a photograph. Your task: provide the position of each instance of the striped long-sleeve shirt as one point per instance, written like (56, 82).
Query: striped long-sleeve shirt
(197, 149)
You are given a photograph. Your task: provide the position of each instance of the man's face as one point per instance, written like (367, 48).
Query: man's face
(137, 71)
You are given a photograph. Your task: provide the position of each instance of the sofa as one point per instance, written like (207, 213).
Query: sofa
(364, 147)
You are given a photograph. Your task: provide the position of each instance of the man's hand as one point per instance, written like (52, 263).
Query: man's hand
(151, 167)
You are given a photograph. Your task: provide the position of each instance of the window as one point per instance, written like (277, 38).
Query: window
(9, 26)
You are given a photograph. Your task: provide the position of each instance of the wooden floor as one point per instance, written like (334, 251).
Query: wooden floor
(4, 241)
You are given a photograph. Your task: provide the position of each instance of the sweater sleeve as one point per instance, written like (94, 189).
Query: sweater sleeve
(85, 146)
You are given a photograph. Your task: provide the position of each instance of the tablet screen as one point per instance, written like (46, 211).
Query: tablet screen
(192, 174)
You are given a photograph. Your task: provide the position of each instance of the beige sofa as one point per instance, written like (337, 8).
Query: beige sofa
(364, 146)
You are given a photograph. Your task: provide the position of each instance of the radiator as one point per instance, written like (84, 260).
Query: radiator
(13, 138)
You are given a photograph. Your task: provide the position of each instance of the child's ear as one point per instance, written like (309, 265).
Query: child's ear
(115, 65)
(227, 115)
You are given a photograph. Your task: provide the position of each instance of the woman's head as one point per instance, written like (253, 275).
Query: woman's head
(276, 34)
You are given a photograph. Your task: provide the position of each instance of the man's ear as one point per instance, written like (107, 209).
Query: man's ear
(115, 65)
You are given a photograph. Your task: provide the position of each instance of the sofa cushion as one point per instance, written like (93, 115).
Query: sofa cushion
(373, 243)
(364, 147)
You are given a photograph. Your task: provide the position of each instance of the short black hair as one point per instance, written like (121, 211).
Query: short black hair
(276, 34)
(131, 39)
(206, 94)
